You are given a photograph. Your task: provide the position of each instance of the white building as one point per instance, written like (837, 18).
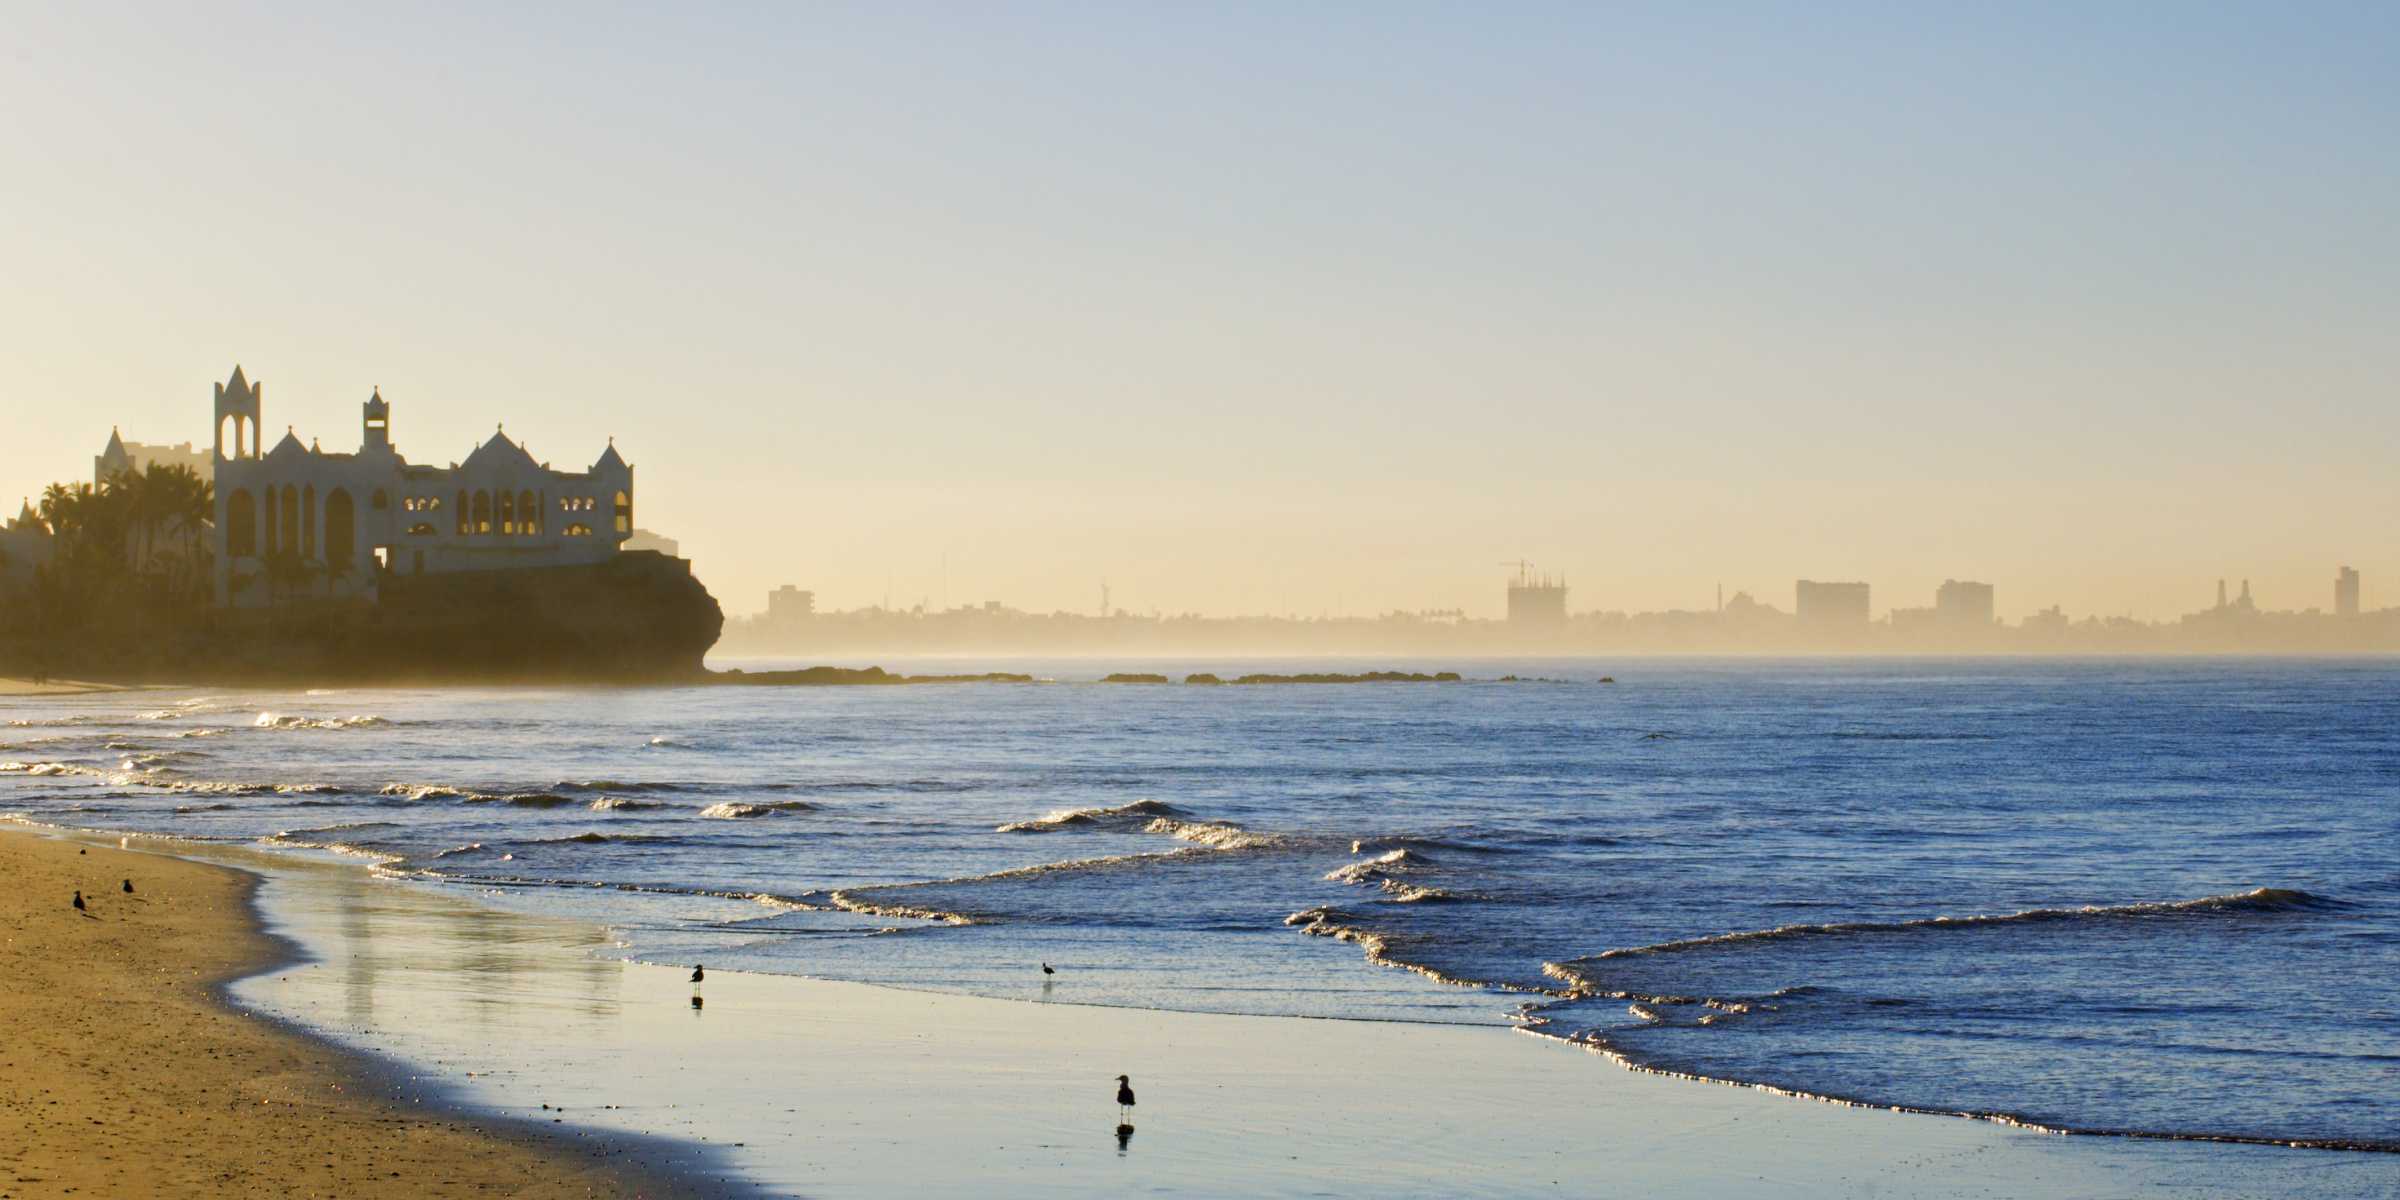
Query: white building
(297, 521)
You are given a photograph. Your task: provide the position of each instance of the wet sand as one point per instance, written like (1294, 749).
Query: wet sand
(836, 1089)
(123, 1072)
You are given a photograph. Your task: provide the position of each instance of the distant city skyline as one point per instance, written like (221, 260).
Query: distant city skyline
(1270, 310)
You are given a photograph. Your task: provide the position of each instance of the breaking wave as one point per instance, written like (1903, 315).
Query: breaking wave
(272, 720)
(1216, 835)
(2256, 900)
(1124, 816)
(623, 804)
(734, 811)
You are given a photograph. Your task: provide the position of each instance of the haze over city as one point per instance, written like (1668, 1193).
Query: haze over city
(1317, 313)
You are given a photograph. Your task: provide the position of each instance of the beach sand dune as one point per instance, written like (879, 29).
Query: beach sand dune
(122, 1074)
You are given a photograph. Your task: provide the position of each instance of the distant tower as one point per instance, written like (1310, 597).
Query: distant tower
(2220, 594)
(1536, 601)
(237, 417)
(378, 422)
(2345, 593)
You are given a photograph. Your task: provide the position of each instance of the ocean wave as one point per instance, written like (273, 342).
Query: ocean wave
(423, 791)
(520, 799)
(1216, 835)
(272, 720)
(613, 785)
(1371, 870)
(855, 899)
(601, 839)
(622, 804)
(1386, 949)
(2256, 900)
(1128, 816)
(732, 810)
(339, 839)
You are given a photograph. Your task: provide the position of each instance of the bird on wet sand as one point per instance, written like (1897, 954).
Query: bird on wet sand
(128, 887)
(1124, 1097)
(79, 904)
(697, 973)
(1047, 969)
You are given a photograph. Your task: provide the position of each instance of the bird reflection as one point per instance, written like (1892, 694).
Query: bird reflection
(697, 1002)
(1124, 1138)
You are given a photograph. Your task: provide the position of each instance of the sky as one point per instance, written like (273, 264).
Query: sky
(1328, 308)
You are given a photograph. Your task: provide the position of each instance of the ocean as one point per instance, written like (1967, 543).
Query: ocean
(2151, 897)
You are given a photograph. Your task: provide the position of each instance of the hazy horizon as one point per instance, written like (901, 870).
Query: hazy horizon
(1249, 310)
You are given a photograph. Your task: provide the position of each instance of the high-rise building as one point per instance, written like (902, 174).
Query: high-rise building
(1960, 603)
(1536, 601)
(2345, 593)
(789, 603)
(1831, 605)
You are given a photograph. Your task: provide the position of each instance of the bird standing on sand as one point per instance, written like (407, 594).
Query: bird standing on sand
(697, 973)
(1124, 1097)
(79, 903)
(1046, 969)
(128, 887)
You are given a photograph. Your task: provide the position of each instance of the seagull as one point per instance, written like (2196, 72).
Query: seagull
(1047, 969)
(128, 887)
(1124, 1097)
(697, 973)
(79, 904)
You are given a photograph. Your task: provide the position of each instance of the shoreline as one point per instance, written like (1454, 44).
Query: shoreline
(834, 1088)
(124, 1018)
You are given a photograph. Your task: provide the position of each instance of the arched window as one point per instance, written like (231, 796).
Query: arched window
(465, 520)
(341, 529)
(624, 512)
(241, 524)
(289, 542)
(267, 543)
(508, 511)
(308, 521)
(420, 529)
(483, 512)
(579, 529)
(529, 514)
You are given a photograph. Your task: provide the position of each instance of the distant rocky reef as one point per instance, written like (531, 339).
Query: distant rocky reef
(850, 677)
(1368, 677)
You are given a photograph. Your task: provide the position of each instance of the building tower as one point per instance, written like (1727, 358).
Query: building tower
(237, 415)
(378, 422)
(2345, 593)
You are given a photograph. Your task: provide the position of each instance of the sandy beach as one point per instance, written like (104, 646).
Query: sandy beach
(124, 1073)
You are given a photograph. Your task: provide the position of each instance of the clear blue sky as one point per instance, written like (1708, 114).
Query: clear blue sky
(1249, 308)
